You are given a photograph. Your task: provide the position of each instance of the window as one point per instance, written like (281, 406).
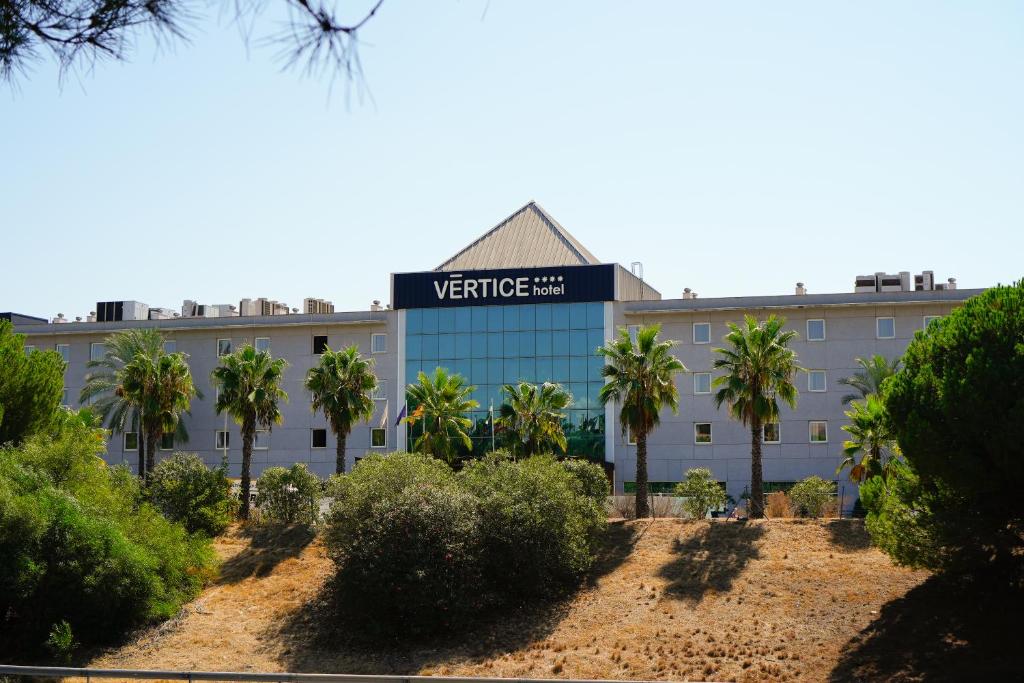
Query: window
(702, 382)
(29, 348)
(929, 318)
(378, 343)
(65, 349)
(167, 441)
(318, 438)
(702, 432)
(262, 344)
(262, 440)
(702, 333)
(633, 330)
(170, 346)
(771, 432)
(319, 344)
(378, 437)
(97, 350)
(816, 330)
(131, 441)
(381, 392)
(885, 328)
(223, 347)
(816, 380)
(818, 432)
(65, 400)
(630, 441)
(222, 441)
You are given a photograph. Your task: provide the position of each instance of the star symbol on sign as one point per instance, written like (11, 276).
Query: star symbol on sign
(536, 279)
(559, 278)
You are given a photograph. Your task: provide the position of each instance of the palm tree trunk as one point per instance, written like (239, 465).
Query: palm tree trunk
(152, 438)
(642, 498)
(142, 441)
(339, 459)
(756, 476)
(248, 433)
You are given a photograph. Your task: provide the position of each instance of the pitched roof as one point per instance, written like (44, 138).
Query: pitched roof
(528, 238)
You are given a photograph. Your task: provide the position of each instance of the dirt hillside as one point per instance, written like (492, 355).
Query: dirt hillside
(773, 600)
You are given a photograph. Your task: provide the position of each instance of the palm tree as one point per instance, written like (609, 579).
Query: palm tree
(163, 389)
(342, 387)
(441, 401)
(758, 370)
(531, 417)
(118, 409)
(641, 378)
(870, 435)
(249, 384)
(869, 380)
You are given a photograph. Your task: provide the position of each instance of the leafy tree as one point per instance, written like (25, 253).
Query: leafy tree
(868, 381)
(641, 379)
(31, 386)
(185, 490)
(250, 392)
(871, 436)
(76, 31)
(810, 496)
(758, 370)
(163, 389)
(342, 386)
(532, 419)
(956, 408)
(441, 402)
(288, 495)
(701, 491)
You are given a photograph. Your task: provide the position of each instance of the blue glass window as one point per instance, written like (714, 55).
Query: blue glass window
(527, 370)
(594, 366)
(578, 343)
(510, 341)
(463, 345)
(578, 369)
(510, 315)
(478, 371)
(594, 393)
(579, 395)
(511, 372)
(414, 347)
(479, 318)
(494, 344)
(479, 345)
(414, 321)
(543, 373)
(412, 368)
(560, 370)
(494, 319)
(578, 316)
(595, 340)
(430, 347)
(464, 368)
(527, 343)
(495, 371)
(543, 316)
(595, 316)
(430, 321)
(560, 343)
(446, 345)
(446, 320)
(463, 319)
(543, 346)
(559, 316)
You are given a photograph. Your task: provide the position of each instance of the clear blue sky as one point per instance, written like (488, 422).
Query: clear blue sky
(734, 148)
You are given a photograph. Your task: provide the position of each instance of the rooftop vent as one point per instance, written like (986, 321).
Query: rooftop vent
(800, 289)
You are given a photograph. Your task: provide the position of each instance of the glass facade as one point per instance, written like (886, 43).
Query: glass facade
(492, 346)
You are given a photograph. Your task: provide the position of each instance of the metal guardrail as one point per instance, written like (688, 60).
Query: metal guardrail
(154, 674)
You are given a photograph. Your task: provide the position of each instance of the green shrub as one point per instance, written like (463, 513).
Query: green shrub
(539, 532)
(811, 496)
(289, 496)
(78, 545)
(405, 540)
(701, 493)
(30, 387)
(61, 642)
(592, 479)
(185, 490)
(957, 411)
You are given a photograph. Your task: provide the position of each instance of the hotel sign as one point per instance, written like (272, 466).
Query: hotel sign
(557, 284)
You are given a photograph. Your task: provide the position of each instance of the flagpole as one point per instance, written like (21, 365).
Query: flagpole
(492, 424)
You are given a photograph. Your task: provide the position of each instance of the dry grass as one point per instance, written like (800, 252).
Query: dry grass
(772, 600)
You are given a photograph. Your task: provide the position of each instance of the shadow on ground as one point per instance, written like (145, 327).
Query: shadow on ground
(942, 630)
(268, 547)
(849, 534)
(711, 559)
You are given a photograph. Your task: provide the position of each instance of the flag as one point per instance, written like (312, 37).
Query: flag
(401, 415)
